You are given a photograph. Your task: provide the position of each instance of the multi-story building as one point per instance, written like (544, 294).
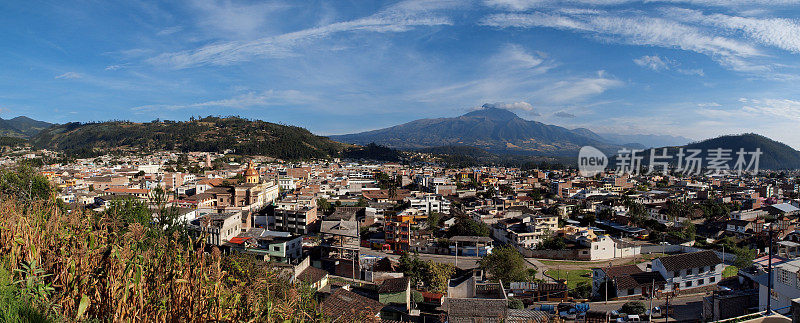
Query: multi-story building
(217, 228)
(689, 270)
(297, 221)
(430, 203)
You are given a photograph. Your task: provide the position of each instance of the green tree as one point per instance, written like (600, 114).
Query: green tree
(25, 183)
(634, 308)
(434, 219)
(583, 290)
(516, 304)
(437, 276)
(465, 226)
(744, 257)
(505, 264)
(552, 243)
(417, 297)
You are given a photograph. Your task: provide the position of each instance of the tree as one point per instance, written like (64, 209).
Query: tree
(583, 290)
(324, 205)
(434, 219)
(465, 226)
(505, 264)
(417, 297)
(25, 183)
(552, 243)
(634, 308)
(362, 202)
(437, 276)
(744, 257)
(516, 304)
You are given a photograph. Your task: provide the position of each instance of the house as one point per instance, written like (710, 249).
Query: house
(315, 278)
(395, 292)
(785, 286)
(296, 221)
(627, 281)
(346, 306)
(217, 228)
(702, 269)
(279, 246)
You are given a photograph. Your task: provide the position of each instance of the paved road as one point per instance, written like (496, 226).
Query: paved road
(463, 261)
(686, 308)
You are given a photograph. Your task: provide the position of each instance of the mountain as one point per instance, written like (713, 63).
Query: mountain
(493, 129)
(775, 155)
(22, 127)
(646, 141)
(216, 134)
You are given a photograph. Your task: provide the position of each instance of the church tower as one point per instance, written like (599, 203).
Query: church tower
(251, 174)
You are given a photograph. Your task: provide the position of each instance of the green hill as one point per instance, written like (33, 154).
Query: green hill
(775, 155)
(216, 134)
(22, 127)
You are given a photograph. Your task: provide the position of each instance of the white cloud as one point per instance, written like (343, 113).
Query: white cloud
(564, 114)
(778, 32)
(567, 91)
(709, 104)
(639, 30)
(169, 31)
(115, 67)
(521, 5)
(656, 63)
(397, 18)
(250, 99)
(774, 108)
(228, 18)
(69, 76)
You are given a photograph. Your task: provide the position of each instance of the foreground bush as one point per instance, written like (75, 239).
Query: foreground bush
(58, 265)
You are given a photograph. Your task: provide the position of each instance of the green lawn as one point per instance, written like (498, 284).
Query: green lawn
(571, 262)
(730, 271)
(639, 259)
(573, 277)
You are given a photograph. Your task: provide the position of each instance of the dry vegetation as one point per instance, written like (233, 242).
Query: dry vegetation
(71, 266)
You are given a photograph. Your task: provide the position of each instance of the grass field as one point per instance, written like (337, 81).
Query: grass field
(573, 277)
(633, 261)
(730, 271)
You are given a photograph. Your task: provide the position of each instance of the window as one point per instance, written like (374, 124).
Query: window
(276, 248)
(712, 279)
(700, 282)
(688, 283)
(676, 274)
(631, 291)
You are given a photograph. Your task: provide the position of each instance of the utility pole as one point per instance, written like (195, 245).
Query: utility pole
(456, 254)
(652, 292)
(769, 274)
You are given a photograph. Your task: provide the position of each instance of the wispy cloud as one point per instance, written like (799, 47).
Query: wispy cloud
(564, 114)
(575, 90)
(397, 18)
(778, 32)
(654, 62)
(660, 63)
(637, 30)
(69, 76)
(521, 5)
(250, 99)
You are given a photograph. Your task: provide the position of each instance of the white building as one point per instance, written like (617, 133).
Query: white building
(430, 203)
(690, 270)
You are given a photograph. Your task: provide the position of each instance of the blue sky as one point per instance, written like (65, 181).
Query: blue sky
(695, 68)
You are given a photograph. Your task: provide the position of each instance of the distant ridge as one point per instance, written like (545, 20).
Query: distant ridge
(214, 134)
(775, 155)
(492, 129)
(22, 127)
